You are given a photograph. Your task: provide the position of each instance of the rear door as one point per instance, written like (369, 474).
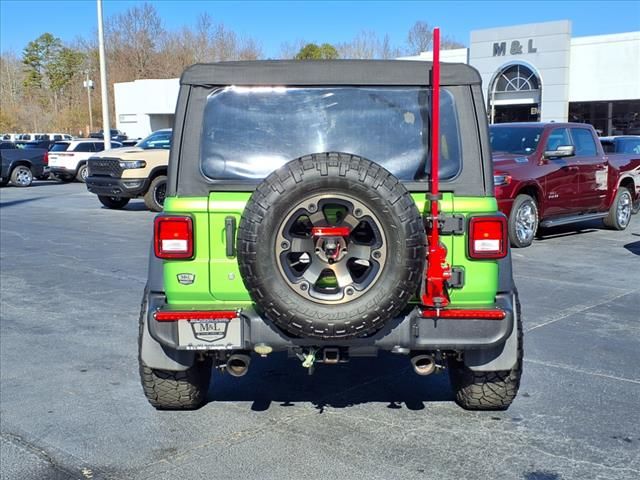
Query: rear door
(561, 182)
(592, 171)
(84, 150)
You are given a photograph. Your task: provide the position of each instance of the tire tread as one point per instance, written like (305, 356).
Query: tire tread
(493, 390)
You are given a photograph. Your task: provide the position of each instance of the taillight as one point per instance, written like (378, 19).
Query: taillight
(45, 160)
(173, 237)
(174, 316)
(488, 237)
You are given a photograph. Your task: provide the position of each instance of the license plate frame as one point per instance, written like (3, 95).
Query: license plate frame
(210, 334)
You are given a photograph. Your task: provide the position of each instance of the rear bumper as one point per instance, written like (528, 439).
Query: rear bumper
(62, 170)
(117, 187)
(407, 332)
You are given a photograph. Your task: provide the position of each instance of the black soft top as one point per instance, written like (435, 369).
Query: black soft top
(327, 72)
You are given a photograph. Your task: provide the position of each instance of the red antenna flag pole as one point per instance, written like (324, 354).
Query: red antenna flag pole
(438, 271)
(435, 119)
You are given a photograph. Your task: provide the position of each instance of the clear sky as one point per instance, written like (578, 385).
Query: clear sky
(272, 23)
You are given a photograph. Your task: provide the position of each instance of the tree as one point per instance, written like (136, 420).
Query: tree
(448, 43)
(419, 38)
(311, 51)
(289, 50)
(367, 45)
(65, 65)
(37, 58)
(50, 68)
(132, 40)
(388, 52)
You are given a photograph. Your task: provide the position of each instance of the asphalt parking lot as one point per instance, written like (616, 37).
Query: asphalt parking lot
(71, 279)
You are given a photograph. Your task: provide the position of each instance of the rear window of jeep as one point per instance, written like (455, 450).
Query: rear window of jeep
(248, 132)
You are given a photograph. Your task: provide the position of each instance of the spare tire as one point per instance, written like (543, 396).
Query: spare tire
(331, 246)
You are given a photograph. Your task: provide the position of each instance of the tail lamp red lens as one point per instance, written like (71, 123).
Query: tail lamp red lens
(170, 316)
(488, 237)
(45, 160)
(465, 314)
(173, 237)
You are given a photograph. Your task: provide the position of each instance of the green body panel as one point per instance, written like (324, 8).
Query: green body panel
(217, 277)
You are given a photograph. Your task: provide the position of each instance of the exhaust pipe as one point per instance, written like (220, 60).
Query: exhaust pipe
(423, 364)
(238, 364)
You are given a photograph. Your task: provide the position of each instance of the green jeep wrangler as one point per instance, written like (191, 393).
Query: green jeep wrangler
(301, 216)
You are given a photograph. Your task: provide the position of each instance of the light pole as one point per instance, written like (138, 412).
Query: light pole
(88, 84)
(106, 128)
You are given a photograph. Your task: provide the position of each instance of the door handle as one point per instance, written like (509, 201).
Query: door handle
(230, 235)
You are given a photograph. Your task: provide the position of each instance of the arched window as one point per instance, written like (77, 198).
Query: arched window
(516, 78)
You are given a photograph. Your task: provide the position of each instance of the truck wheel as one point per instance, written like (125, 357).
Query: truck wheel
(81, 174)
(154, 198)
(331, 285)
(169, 390)
(493, 390)
(115, 203)
(620, 211)
(523, 221)
(21, 176)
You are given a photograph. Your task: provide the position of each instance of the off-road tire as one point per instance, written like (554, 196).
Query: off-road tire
(21, 176)
(487, 390)
(611, 220)
(114, 203)
(150, 198)
(81, 174)
(169, 390)
(521, 201)
(336, 174)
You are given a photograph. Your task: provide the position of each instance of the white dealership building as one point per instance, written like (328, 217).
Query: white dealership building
(534, 72)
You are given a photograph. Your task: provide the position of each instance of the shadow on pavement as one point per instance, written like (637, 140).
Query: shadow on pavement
(130, 207)
(633, 247)
(11, 203)
(541, 475)
(277, 379)
(578, 228)
(36, 183)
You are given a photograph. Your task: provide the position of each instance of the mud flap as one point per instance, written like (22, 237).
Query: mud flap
(153, 354)
(158, 357)
(502, 357)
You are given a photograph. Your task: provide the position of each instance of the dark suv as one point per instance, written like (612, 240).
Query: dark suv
(297, 217)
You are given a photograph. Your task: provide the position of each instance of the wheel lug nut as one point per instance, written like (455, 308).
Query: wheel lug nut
(350, 291)
(303, 287)
(284, 245)
(312, 207)
(357, 212)
(376, 254)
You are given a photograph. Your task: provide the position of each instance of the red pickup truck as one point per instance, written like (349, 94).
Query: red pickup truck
(549, 174)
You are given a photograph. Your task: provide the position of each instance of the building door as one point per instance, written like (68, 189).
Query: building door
(514, 95)
(515, 113)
